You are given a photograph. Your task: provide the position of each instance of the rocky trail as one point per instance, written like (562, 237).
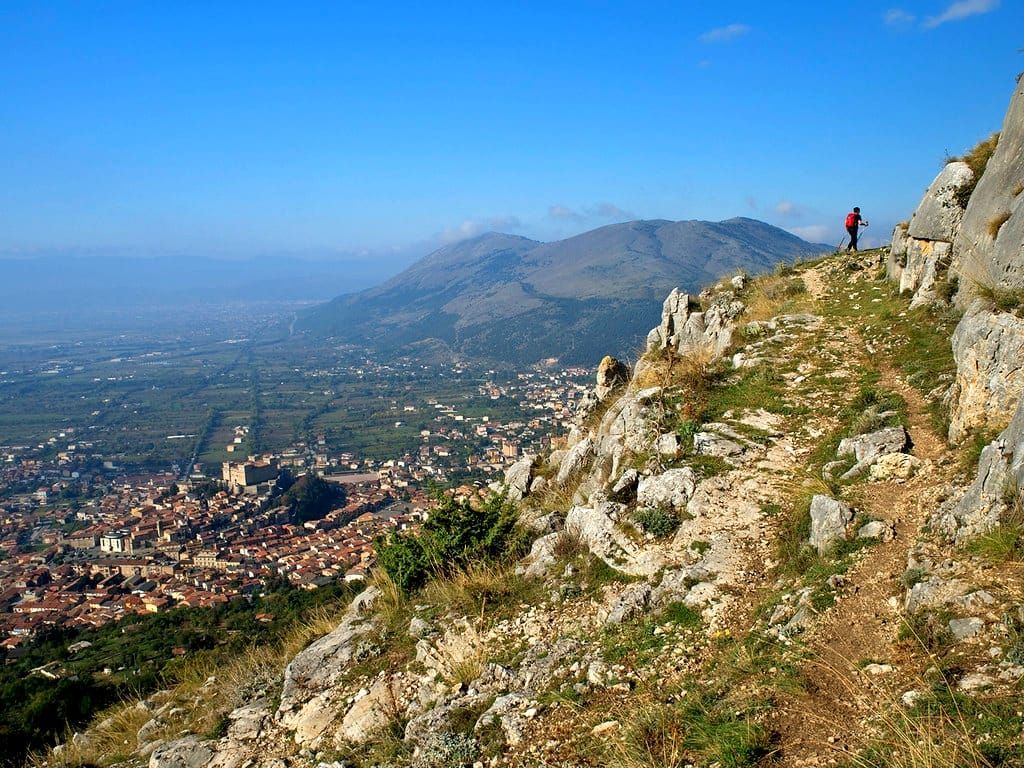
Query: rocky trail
(856, 652)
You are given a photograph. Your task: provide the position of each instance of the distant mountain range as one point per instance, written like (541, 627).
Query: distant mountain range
(507, 298)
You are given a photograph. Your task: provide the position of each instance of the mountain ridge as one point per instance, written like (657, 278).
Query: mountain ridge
(608, 280)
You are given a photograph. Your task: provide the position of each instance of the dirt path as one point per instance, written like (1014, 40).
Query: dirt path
(827, 720)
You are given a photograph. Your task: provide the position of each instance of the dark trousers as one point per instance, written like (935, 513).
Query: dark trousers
(853, 238)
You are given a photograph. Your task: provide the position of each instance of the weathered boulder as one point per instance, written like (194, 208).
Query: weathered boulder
(926, 261)
(671, 489)
(371, 713)
(897, 258)
(714, 444)
(611, 375)
(624, 489)
(1000, 471)
(541, 558)
(187, 752)
(895, 466)
(575, 460)
(587, 404)
(940, 211)
(988, 348)
(247, 723)
(867, 449)
(962, 629)
(668, 444)
(686, 330)
(511, 713)
(829, 518)
(632, 602)
(517, 477)
(310, 696)
(440, 719)
(882, 530)
(934, 593)
(596, 528)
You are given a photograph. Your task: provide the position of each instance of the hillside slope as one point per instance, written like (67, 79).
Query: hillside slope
(503, 297)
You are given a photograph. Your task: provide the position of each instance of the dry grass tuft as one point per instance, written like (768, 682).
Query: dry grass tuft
(977, 158)
(476, 589)
(768, 294)
(112, 741)
(996, 223)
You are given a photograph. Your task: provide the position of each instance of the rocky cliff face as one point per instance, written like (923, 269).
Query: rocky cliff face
(983, 245)
(921, 254)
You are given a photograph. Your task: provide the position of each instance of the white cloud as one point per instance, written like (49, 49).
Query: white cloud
(787, 208)
(724, 34)
(814, 233)
(896, 16)
(608, 211)
(961, 10)
(564, 213)
(473, 227)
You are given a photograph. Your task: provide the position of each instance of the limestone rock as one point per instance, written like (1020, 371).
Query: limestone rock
(829, 518)
(632, 602)
(310, 699)
(439, 719)
(587, 405)
(611, 374)
(893, 466)
(996, 261)
(418, 628)
(371, 713)
(688, 331)
(877, 529)
(575, 460)
(926, 260)
(961, 629)
(668, 445)
(988, 348)
(624, 489)
(897, 258)
(187, 752)
(939, 213)
(868, 448)
(670, 490)
(541, 558)
(517, 477)
(1000, 466)
(511, 712)
(713, 444)
(975, 681)
(597, 529)
(934, 593)
(247, 723)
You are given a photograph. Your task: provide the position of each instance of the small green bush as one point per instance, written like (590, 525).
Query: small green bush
(454, 535)
(660, 523)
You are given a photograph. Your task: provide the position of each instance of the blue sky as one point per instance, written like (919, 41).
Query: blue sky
(379, 130)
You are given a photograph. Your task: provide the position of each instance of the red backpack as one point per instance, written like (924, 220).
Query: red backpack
(851, 220)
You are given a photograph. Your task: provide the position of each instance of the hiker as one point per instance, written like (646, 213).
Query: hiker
(853, 222)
